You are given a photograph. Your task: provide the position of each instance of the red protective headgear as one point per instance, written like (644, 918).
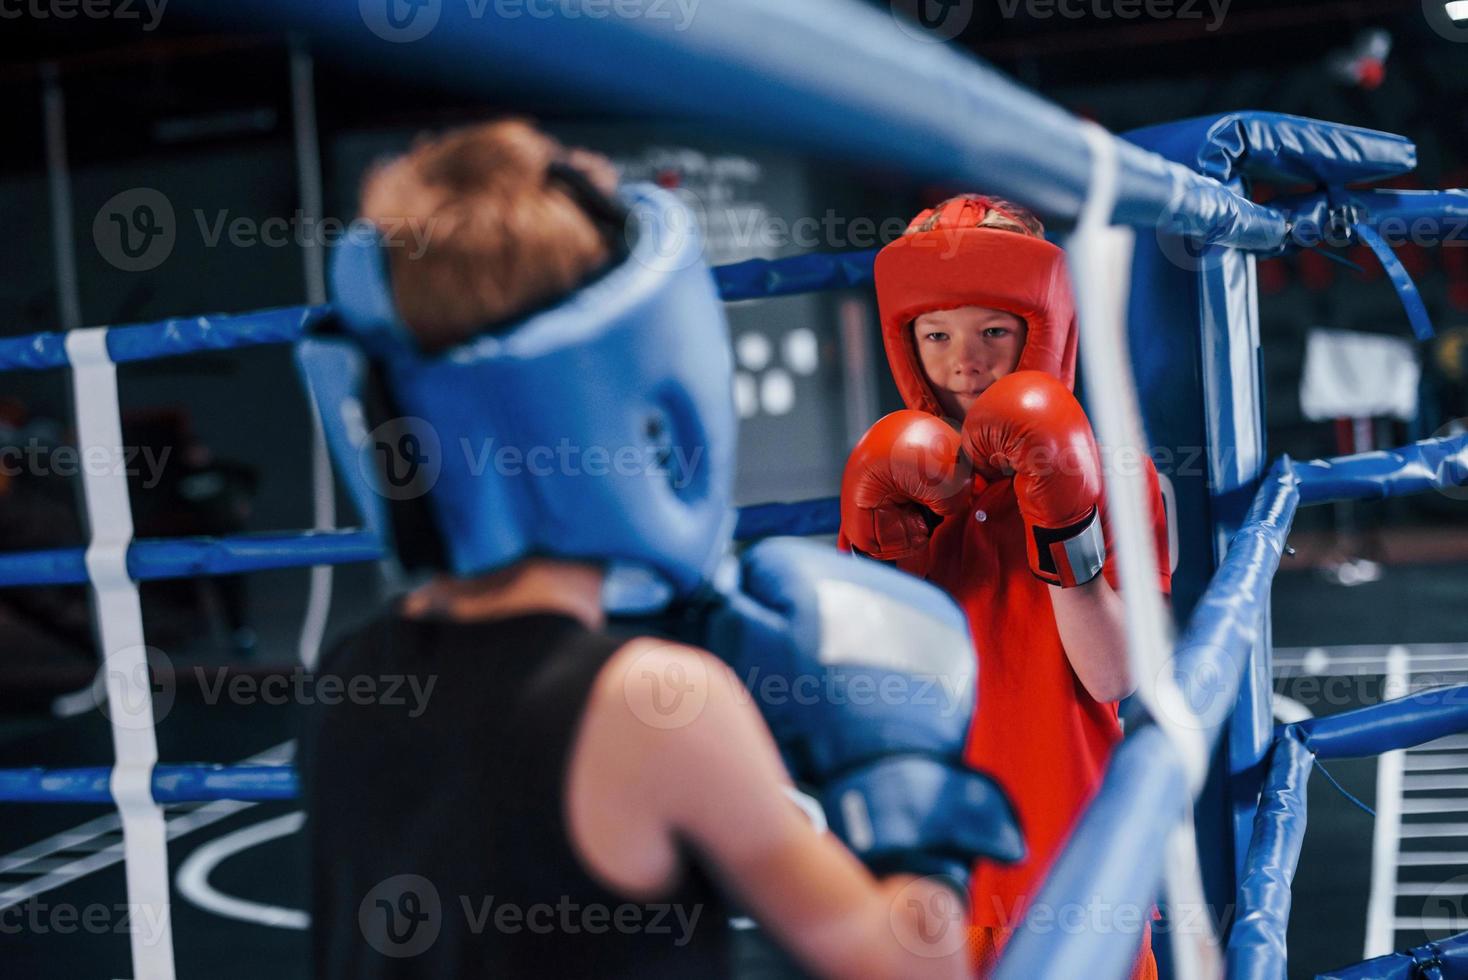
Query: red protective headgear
(957, 264)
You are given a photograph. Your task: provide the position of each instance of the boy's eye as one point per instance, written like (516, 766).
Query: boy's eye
(937, 335)
(994, 333)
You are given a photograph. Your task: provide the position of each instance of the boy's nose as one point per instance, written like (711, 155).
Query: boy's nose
(972, 360)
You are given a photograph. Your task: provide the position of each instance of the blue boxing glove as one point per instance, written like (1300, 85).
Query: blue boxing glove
(866, 677)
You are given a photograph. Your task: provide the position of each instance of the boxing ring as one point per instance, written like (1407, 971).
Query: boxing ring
(1163, 249)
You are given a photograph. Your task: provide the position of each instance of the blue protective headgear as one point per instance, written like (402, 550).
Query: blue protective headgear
(600, 429)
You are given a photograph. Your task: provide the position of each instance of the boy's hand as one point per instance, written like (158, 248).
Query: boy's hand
(1029, 424)
(904, 476)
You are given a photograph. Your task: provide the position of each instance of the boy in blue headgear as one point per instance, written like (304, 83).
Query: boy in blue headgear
(564, 801)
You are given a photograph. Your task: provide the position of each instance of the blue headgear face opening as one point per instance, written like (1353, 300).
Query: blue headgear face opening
(599, 429)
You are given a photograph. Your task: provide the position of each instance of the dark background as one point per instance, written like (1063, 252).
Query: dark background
(206, 118)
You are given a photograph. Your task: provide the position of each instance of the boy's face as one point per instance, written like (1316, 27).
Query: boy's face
(964, 351)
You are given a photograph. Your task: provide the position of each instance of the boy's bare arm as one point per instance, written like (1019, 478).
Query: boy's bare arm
(1091, 619)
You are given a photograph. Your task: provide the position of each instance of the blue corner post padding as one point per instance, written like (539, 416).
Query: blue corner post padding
(1213, 651)
(1276, 146)
(1446, 959)
(1256, 946)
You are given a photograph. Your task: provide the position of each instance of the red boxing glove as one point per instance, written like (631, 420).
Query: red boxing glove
(903, 477)
(1029, 424)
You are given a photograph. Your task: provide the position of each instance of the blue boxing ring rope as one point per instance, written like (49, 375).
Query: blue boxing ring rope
(870, 93)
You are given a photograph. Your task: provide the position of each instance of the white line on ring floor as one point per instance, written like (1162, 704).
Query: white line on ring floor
(192, 880)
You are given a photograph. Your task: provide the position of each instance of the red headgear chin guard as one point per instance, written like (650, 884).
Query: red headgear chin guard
(956, 264)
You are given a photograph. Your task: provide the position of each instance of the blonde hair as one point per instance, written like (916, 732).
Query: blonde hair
(493, 237)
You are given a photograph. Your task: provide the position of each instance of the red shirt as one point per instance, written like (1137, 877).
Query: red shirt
(1035, 728)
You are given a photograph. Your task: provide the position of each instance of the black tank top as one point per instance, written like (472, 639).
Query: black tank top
(436, 815)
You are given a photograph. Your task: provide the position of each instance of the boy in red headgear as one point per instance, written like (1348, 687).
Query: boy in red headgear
(990, 486)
